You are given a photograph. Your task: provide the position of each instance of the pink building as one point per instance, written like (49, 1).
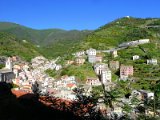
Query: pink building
(125, 72)
(93, 81)
(99, 58)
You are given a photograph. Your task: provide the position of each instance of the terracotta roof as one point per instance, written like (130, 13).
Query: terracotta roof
(70, 85)
(19, 93)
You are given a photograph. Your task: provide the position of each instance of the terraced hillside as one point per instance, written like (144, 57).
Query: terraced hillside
(122, 30)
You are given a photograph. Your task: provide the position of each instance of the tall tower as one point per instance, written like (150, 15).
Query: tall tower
(8, 63)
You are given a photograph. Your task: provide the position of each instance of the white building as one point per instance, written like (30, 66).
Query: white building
(8, 64)
(91, 58)
(114, 53)
(91, 52)
(106, 76)
(142, 41)
(80, 53)
(99, 67)
(152, 61)
(70, 79)
(135, 57)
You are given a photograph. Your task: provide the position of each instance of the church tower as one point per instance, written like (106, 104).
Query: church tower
(8, 63)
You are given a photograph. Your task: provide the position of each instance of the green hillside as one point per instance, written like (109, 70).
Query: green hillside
(129, 29)
(122, 30)
(10, 45)
(22, 32)
(64, 44)
(50, 41)
(57, 42)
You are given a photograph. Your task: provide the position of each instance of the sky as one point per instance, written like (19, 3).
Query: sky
(74, 14)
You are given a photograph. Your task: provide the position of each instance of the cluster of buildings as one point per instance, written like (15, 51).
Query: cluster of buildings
(63, 88)
(140, 95)
(25, 75)
(104, 73)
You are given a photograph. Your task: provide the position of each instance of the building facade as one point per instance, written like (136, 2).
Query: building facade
(106, 76)
(114, 65)
(99, 67)
(125, 72)
(91, 52)
(152, 61)
(80, 61)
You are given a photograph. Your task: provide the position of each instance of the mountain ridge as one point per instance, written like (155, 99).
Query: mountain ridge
(49, 41)
(34, 35)
(57, 42)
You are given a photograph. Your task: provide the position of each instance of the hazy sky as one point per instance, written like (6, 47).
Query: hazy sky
(74, 14)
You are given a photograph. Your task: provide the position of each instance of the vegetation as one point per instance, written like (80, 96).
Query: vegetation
(50, 42)
(122, 30)
(10, 45)
(79, 71)
(2, 66)
(16, 40)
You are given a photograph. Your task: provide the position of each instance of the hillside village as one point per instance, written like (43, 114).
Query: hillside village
(106, 70)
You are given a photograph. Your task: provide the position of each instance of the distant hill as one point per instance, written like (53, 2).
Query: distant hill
(50, 41)
(22, 32)
(122, 30)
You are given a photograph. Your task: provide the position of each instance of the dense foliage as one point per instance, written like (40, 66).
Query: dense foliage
(10, 45)
(49, 42)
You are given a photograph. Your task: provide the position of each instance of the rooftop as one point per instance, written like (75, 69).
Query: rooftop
(5, 70)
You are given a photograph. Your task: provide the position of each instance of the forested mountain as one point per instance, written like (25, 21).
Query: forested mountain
(50, 41)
